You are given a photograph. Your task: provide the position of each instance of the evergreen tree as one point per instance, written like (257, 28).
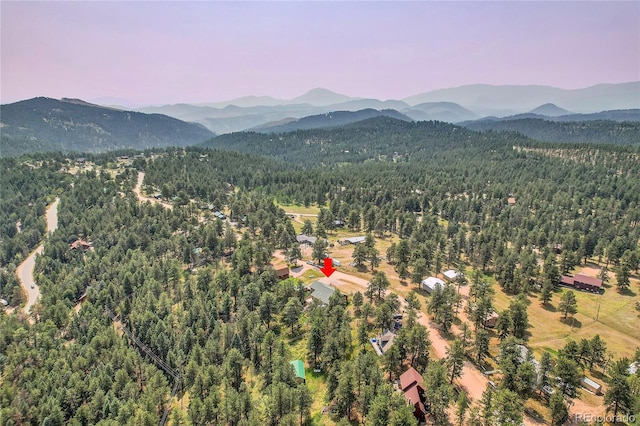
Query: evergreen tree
(568, 304)
(618, 394)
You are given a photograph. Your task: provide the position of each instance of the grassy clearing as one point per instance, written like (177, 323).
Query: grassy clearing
(290, 208)
(617, 320)
(310, 275)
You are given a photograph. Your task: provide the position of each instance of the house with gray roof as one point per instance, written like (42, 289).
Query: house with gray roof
(321, 291)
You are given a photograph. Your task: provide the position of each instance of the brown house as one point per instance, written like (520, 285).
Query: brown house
(412, 386)
(282, 273)
(490, 320)
(80, 244)
(582, 282)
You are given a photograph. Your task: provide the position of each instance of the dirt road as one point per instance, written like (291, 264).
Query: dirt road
(143, 198)
(472, 380)
(25, 269)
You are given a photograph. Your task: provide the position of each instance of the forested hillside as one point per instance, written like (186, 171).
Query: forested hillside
(44, 124)
(595, 131)
(200, 293)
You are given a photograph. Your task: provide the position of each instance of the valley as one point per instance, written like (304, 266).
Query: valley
(172, 234)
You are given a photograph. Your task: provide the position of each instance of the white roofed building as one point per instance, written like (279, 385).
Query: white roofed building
(430, 284)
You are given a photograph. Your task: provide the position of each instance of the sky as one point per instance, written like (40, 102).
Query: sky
(144, 53)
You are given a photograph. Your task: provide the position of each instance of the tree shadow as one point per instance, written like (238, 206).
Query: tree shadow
(627, 292)
(549, 307)
(572, 322)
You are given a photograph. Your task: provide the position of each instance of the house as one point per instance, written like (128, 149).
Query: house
(430, 284)
(634, 367)
(282, 273)
(450, 275)
(338, 224)
(353, 240)
(591, 386)
(298, 369)
(306, 239)
(321, 291)
(80, 244)
(84, 295)
(220, 215)
(523, 356)
(412, 386)
(382, 343)
(582, 282)
(491, 319)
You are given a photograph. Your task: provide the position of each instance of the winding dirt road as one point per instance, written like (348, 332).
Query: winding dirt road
(472, 380)
(143, 198)
(25, 269)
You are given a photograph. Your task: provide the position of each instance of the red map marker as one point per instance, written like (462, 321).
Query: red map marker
(328, 267)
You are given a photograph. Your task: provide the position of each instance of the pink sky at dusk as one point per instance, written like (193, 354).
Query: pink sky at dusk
(168, 52)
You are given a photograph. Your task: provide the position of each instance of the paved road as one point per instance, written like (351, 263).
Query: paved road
(25, 269)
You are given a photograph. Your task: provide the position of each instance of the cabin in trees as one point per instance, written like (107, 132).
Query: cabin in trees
(490, 320)
(412, 386)
(582, 282)
(382, 343)
(298, 369)
(306, 239)
(80, 244)
(431, 284)
(282, 273)
(321, 291)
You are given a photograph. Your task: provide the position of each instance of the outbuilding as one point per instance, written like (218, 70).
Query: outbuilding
(431, 284)
(591, 385)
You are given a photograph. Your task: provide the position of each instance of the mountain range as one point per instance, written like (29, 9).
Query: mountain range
(452, 105)
(45, 124)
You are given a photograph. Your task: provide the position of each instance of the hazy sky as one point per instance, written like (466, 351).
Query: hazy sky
(167, 52)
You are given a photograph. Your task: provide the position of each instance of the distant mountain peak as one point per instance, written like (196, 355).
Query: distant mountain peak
(550, 110)
(321, 97)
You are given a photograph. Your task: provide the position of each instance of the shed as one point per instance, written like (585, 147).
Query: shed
(450, 275)
(4, 302)
(591, 386)
(430, 284)
(298, 369)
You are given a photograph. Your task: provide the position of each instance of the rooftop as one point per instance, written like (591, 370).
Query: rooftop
(410, 377)
(432, 283)
(298, 368)
(321, 291)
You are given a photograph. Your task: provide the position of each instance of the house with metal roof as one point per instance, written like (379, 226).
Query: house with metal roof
(298, 369)
(306, 239)
(450, 275)
(321, 291)
(431, 284)
(354, 240)
(582, 282)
